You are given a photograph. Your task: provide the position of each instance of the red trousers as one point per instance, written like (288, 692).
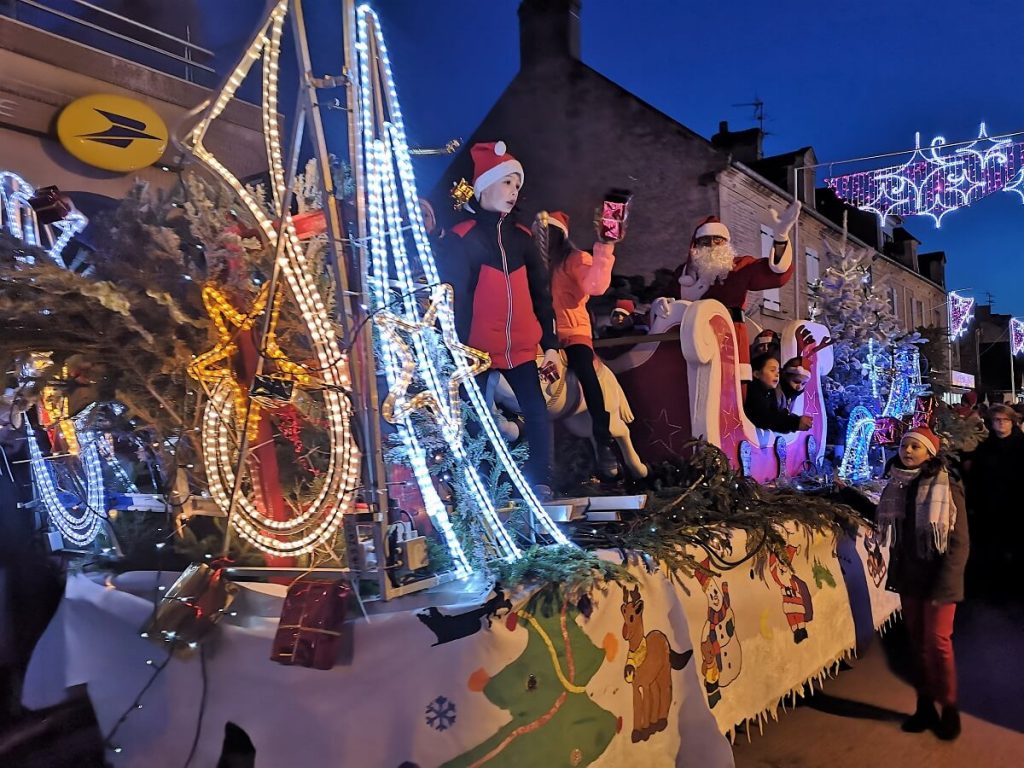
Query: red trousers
(930, 628)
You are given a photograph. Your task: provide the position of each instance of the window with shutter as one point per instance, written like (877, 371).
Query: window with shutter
(771, 298)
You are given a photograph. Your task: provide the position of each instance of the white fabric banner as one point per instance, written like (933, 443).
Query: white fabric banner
(648, 675)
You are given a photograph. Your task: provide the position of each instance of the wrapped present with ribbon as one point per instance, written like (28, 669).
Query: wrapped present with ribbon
(309, 634)
(888, 430)
(190, 608)
(924, 410)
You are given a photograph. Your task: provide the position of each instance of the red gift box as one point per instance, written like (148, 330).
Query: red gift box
(888, 430)
(309, 633)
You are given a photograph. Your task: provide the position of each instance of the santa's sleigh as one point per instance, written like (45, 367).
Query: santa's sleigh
(682, 381)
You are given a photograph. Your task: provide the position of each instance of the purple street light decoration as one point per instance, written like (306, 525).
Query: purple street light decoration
(961, 312)
(1016, 336)
(937, 179)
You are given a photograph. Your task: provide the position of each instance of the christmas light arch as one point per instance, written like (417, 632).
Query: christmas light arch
(938, 179)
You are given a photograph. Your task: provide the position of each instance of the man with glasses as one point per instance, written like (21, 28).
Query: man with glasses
(713, 270)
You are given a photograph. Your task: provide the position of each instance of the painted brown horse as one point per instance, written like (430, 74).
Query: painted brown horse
(649, 666)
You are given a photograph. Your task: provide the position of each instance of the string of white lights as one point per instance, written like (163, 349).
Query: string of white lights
(82, 528)
(451, 429)
(366, 17)
(18, 218)
(319, 521)
(378, 233)
(387, 245)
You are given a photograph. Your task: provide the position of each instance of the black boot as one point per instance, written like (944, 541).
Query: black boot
(948, 727)
(924, 717)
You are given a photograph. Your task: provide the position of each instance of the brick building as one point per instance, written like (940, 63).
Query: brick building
(985, 354)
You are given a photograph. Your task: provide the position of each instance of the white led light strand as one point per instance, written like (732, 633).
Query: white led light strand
(18, 218)
(319, 522)
(387, 245)
(397, 144)
(82, 528)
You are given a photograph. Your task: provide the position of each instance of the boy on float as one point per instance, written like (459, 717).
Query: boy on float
(764, 404)
(502, 296)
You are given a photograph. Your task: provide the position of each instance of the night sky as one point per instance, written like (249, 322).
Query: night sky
(849, 79)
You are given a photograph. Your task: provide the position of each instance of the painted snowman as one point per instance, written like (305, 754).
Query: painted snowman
(721, 654)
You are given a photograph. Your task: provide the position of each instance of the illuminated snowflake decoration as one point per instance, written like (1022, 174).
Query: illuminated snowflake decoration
(936, 179)
(961, 312)
(441, 714)
(1016, 336)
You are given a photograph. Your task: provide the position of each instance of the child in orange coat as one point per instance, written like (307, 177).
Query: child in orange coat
(576, 276)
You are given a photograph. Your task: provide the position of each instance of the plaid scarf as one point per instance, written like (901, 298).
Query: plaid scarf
(935, 513)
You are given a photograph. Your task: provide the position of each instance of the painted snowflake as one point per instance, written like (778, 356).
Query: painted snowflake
(440, 713)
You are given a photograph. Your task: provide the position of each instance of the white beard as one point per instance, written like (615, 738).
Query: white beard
(707, 266)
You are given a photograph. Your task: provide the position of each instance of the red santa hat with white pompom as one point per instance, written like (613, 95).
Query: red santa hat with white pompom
(492, 163)
(710, 227)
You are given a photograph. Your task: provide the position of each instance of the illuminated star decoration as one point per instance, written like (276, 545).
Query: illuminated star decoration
(961, 312)
(446, 410)
(214, 366)
(937, 180)
(1016, 336)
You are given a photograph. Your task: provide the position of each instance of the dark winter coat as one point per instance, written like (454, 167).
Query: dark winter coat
(940, 578)
(993, 479)
(502, 290)
(764, 408)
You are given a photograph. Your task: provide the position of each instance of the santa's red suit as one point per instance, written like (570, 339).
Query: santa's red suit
(747, 274)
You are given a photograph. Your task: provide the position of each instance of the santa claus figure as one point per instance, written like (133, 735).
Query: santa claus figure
(796, 597)
(713, 270)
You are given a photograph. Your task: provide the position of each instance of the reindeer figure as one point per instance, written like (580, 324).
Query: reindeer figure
(564, 398)
(649, 666)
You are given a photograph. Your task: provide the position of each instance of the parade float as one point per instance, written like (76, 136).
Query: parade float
(381, 584)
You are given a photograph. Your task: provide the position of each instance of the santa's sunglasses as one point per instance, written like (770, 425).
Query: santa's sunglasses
(706, 241)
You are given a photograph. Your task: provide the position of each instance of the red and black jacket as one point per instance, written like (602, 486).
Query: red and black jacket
(502, 295)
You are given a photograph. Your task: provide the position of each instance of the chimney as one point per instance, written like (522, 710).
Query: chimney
(744, 146)
(549, 30)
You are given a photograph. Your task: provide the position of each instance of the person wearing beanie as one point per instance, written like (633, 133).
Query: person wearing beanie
(766, 341)
(624, 320)
(793, 382)
(764, 404)
(921, 515)
(993, 497)
(713, 270)
(502, 296)
(576, 276)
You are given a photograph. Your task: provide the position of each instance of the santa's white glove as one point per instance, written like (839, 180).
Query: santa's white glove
(662, 307)
(784, 221)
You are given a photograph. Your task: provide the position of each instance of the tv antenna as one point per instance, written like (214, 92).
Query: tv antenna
(759, 113)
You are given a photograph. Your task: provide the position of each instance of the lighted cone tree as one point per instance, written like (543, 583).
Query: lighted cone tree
(413, 313)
